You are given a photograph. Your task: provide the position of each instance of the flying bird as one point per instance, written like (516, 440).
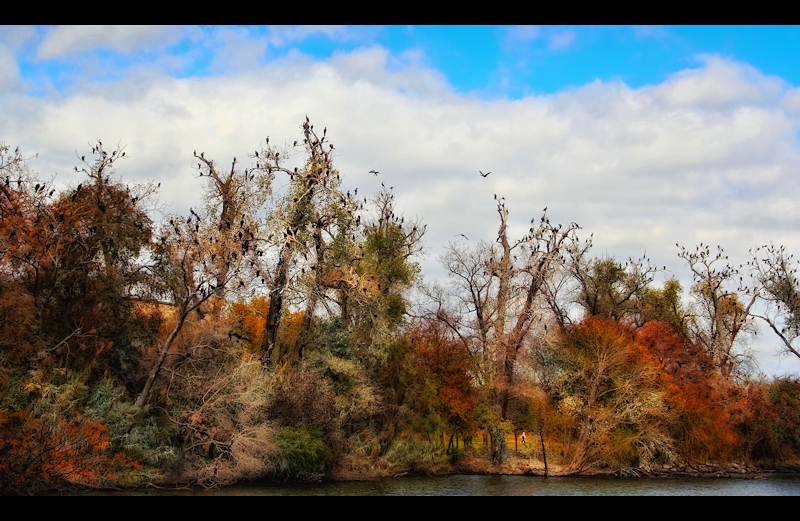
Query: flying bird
(482, 174)
(374, 172)
(461, 234)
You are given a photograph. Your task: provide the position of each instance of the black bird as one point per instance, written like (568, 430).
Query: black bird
(374, 172)
(482, 174)
(461, 234)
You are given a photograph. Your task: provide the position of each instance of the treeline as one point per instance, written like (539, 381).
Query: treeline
(271, 334)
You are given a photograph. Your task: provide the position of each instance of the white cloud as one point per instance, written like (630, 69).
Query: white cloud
(72, 39)
(9, 71)
(236, 50)
(717, 84)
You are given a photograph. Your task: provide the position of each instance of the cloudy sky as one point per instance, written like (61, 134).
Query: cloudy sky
(645, 136)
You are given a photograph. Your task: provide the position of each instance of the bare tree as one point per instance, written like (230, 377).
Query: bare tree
(774, 273)
(721, 317)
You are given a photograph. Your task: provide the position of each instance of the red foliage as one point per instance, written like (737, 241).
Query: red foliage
(38, 454)
(443, 369)
(702, 404)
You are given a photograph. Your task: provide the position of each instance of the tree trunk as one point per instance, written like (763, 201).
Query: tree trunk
(499, 448)
(544, 451)
(297, 353)
(151, 378)
(319, 247)
(275, 308)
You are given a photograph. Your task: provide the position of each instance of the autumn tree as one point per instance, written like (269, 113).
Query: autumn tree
(194, 259)
(76, 259)
(41, 455)
(500, 286)
(606, 383)
(693, 391)
(293, 224)
(234, 197)
(443, 386)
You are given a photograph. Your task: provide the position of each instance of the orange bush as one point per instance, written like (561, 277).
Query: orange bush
(698, 399)
(445, 386)
(37, 454)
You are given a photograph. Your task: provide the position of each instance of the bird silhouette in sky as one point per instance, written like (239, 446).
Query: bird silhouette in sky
(374, 172)
(482, 174)
(461, 234)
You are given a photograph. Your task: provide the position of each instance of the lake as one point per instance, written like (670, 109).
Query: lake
(463, 485)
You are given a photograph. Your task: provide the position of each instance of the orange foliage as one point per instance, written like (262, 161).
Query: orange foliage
(252, 317)
(443, 364)
(38, 454)
(701, 403)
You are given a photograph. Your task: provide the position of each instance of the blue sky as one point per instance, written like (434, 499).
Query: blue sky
(490, 61)
(645, 136)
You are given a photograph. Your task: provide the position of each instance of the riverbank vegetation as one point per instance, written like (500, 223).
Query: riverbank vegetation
(272, 334)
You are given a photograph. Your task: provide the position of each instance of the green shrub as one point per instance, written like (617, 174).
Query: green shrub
(302, 453)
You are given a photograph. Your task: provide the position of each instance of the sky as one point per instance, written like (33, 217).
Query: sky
(646, 136)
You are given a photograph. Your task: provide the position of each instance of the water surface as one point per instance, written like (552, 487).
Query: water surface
(769, 485)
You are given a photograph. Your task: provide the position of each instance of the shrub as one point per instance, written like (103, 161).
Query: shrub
(302, 453)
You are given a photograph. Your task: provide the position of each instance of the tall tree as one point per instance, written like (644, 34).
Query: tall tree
(293, 224)
(720, 315)
(78, 257)
(197, 258)
(503, 295)
(234, 198)
(609, 289)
